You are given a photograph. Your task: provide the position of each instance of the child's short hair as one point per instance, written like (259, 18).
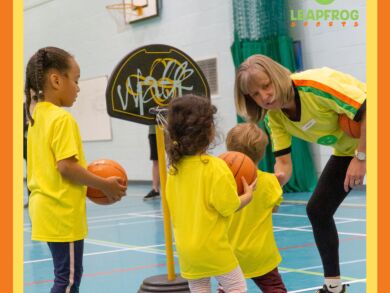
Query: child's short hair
(249, 139)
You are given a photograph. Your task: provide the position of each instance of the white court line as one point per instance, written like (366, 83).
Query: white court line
(135, 248)
(276, 228)
(109, 217)
(94, 227)
(307, 226)
(314, 288)
(123, 218)
(157, 215)
(344, 204)
(338, 232)
(125, 214)
(305, 216)
(113, 217)
(320, 266)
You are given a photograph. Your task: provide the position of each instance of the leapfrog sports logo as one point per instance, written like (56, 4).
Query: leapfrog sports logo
(324, 17)
(324, 2)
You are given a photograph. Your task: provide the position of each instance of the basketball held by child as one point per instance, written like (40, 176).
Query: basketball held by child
(241, 166)
(350, 127)
(104, 168)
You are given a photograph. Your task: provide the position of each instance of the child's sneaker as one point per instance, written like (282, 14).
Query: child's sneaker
(325, 290)
(152, 195)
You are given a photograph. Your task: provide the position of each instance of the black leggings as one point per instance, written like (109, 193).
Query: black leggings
(327, 197)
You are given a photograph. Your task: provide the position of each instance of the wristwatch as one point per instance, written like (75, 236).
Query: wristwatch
(361, 156)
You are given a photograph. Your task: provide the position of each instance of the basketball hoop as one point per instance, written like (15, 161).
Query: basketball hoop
(122, 13)
(118, 13)
(161, 115)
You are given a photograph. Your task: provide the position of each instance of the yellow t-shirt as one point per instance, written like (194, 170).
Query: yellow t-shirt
(251, 233)
(202, 197)
(57, 206)
(323, 94)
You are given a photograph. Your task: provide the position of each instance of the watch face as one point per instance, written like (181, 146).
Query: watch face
(361, 156)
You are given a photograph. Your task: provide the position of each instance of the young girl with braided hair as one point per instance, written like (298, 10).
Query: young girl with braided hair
(56, 167)
(202, 197)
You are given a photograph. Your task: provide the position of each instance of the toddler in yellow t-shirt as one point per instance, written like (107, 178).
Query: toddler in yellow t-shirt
(202, 197)
(251, 232)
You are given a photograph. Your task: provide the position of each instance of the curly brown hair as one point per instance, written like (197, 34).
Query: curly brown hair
(249, 139)
(39, 64)
(191, 128)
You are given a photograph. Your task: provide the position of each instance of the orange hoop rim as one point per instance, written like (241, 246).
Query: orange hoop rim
(124, 6)
(120, 6)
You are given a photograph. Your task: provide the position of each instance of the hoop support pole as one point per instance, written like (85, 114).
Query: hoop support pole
(166, 214)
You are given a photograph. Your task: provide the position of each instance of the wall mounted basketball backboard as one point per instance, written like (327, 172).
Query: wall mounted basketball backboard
(140, 10)
(130, 11)
(150, 77)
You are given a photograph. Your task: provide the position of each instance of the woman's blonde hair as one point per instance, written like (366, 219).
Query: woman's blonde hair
(249, 139)
(279, 76)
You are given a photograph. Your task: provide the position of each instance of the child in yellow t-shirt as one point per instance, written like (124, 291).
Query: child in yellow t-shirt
(251, 232)
(56, 167)
(202, 197)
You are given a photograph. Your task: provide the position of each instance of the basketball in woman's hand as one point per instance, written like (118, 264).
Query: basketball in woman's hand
(350, 127)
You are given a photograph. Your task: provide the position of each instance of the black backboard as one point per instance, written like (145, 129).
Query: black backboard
(151, 76)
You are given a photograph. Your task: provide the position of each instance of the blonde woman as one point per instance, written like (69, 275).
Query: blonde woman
(307, 105)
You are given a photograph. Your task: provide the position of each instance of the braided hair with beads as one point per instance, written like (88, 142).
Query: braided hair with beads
(39, 64)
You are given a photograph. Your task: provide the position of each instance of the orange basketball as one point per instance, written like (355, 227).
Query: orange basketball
(241, 166)
(104, 168)
(350, 127)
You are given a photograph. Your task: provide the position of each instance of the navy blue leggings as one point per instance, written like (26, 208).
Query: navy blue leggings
(68, 265)
(327, 197)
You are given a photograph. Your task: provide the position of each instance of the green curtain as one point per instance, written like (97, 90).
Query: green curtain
(260, 27)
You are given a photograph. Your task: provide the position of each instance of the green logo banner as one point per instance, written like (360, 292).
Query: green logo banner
(324, 2)
(324, 16)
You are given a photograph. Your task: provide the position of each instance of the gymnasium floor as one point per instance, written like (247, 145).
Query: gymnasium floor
(126, 245)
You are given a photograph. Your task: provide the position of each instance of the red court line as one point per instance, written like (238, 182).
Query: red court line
(102, 273)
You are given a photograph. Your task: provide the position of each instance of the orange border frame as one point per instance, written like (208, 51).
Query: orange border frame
(6, 151)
